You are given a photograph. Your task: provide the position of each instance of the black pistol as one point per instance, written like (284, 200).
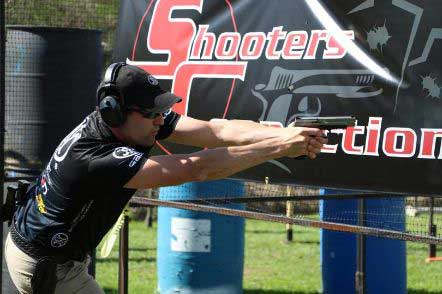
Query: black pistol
(325, 122)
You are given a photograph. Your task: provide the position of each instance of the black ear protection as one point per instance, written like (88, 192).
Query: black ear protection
(109, 100)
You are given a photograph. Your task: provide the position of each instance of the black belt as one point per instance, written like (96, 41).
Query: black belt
(33, 250)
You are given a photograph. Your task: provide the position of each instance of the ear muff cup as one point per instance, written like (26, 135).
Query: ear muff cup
(111, 111)
(110, 102)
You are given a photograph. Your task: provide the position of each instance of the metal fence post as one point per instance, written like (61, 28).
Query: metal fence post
(360, 262)
(2, 121)
(432, 231)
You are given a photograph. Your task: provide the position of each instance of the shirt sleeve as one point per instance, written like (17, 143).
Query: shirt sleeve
(115, 166)
(170, 121)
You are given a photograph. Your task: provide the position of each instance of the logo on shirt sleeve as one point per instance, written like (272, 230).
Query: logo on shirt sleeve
(125, 152)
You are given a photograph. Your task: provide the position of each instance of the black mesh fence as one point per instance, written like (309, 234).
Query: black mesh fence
(52, 56)
(55, 54)
(415, 218)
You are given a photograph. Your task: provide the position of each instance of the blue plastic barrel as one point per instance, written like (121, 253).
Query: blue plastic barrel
(385, 258)
(200, 252)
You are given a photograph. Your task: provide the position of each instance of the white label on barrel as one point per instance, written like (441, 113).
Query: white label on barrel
(190, 235)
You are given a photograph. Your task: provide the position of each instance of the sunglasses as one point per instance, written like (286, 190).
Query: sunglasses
(147, 114)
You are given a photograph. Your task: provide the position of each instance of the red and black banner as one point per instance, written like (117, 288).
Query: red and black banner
(377, 60)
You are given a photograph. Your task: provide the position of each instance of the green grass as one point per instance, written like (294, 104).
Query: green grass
(271, 265)
(422, 277)
(142, 262)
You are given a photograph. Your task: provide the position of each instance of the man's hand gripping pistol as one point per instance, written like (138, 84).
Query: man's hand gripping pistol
(326, 123)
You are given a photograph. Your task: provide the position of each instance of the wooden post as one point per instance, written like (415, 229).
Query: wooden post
(289, 213)
(149, 211)
(149, 217)
(123, 263)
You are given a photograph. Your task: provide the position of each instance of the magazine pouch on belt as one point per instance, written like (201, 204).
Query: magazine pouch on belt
(16, 195)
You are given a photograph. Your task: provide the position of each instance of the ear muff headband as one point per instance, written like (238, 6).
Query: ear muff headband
(110, 102)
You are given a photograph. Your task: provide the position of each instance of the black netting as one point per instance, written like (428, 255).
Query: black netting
(55, 54)
(52, 56)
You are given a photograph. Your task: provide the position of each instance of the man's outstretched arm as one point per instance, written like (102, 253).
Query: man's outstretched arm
(216, 163)
(219, 133)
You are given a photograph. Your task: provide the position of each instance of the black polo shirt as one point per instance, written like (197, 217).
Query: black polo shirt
(80, 194)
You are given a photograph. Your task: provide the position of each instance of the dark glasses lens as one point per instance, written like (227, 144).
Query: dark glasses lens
(148, 114)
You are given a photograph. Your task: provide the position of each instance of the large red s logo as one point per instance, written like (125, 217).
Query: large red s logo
(174, 37)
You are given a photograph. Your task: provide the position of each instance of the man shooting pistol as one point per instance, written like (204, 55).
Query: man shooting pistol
(100, 164)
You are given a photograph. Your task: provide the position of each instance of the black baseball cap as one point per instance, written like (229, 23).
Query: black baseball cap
(140, 88)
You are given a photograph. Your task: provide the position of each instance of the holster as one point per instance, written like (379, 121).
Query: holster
(44, 279)
(16, 195)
